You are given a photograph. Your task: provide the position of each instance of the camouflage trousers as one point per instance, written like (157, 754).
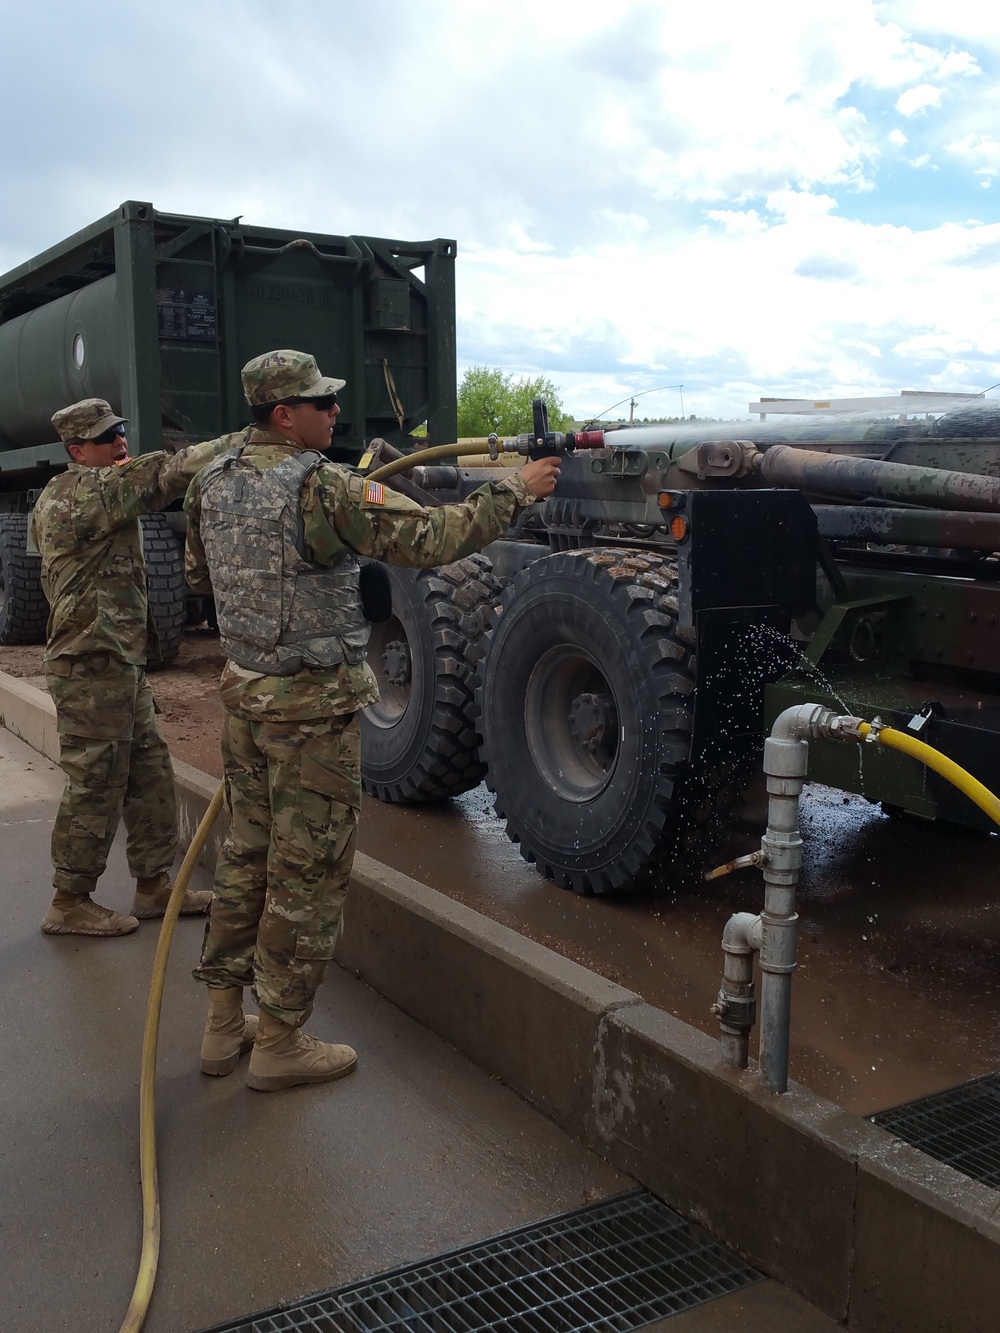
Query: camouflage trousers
(293, 792)
(117, 768)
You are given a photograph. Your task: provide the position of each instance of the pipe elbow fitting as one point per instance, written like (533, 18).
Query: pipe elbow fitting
(800, 722)
(814, 722)
(742, 934)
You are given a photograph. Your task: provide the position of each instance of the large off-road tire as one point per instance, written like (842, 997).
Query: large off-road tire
(586, 691)
(24, 610)
(163, 552)
(420, 741)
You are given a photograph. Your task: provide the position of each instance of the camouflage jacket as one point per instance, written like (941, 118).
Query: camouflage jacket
(85, 525)
(343, 515)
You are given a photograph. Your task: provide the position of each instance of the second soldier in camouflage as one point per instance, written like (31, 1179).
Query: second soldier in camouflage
(85, 525)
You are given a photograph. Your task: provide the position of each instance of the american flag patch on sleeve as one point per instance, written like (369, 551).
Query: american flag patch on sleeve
(374, 493)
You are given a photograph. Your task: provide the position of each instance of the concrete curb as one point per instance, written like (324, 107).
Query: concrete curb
(30, 714)
(517, 1009)
(867, 1229)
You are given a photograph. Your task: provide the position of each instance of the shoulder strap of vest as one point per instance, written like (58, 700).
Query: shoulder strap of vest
(223, 464)
(292, 474)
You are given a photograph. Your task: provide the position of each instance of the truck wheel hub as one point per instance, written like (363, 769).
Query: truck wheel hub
(591, 719)
(396, 662)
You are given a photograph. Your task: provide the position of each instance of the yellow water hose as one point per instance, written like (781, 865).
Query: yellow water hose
(146, 1276)
(938, 763)
(425, 456)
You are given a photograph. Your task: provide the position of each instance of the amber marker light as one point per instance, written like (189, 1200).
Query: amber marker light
(674, 501)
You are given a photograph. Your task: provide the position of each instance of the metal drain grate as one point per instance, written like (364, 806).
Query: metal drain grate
(614, 1266)
(960, 1127)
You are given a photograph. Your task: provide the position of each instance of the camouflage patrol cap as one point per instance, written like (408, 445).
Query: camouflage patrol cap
(85, 420)
(285, 374)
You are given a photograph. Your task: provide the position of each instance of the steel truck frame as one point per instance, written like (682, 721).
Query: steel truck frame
(611, 666)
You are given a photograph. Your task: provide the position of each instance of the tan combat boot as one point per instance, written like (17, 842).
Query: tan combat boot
(283, 1057)
(228, 1035)
(152, 896)
(71, 915)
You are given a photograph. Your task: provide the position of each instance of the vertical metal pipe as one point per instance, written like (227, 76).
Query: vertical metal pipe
(775, 931)
(735, 1007)
(785, 764)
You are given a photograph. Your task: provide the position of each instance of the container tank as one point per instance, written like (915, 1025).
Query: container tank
(157, 312)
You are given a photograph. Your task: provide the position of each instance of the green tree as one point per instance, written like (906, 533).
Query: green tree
(489, 400)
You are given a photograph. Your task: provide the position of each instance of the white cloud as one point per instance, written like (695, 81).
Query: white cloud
(959, 20)
(918, 99)
(981, 151)
(626, 224)
(800, 205)
(738, 222)
(641, 195)
(744, 300)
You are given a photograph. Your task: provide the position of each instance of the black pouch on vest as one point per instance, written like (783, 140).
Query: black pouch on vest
(376, 592)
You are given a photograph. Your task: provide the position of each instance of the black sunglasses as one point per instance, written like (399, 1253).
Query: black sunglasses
(321, 404)
(110, 435)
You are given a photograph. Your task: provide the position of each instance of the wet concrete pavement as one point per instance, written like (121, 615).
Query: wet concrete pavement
(899, 952)
(265, 1198)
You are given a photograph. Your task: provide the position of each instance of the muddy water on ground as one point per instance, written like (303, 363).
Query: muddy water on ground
(899, 953)
(899, 957)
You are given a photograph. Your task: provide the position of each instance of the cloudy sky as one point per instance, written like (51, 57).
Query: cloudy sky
(769, 199)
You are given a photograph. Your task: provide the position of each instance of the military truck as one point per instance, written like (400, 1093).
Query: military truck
(157, 312)
(611, 665)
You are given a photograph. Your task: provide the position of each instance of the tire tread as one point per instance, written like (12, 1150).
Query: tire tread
(164, 587)
(24, 610)
(457, 600)
(643, 586)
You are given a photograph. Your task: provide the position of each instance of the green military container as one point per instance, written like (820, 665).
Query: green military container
(157, 312)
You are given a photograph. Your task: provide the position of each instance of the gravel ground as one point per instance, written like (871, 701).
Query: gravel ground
(187, 695)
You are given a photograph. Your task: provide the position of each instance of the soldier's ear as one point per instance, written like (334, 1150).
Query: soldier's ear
(75, 451)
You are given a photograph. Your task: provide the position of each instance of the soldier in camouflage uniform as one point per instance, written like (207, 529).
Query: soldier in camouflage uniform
(86, 527)
(276, 531)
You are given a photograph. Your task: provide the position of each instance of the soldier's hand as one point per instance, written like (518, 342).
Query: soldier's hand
(541, 474)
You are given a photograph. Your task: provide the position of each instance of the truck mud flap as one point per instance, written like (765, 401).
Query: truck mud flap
(746, 568)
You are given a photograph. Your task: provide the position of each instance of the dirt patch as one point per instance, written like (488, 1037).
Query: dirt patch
(187, 695)
(23, 662)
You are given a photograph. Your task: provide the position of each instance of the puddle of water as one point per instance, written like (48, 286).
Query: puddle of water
(899, 951)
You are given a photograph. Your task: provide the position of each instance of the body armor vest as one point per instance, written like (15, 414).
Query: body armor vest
(277, 612)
